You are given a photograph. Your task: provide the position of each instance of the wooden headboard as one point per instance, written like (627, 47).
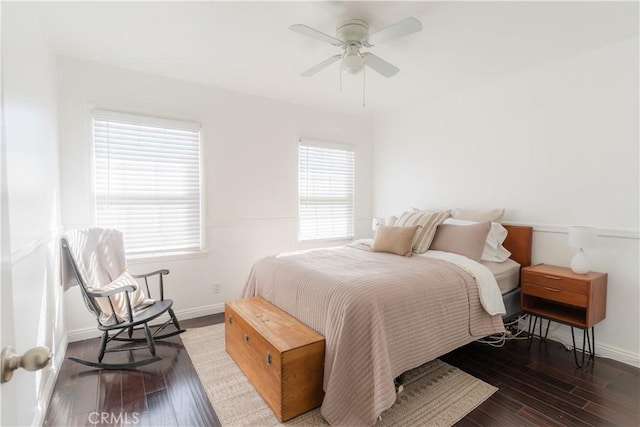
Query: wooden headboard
(518, 242)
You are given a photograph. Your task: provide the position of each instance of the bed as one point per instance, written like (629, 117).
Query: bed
(381, 315)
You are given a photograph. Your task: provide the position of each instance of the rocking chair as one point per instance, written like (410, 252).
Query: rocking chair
(94, 260)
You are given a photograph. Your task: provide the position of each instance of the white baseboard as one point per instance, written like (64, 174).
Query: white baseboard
(47, 390)
(602, 350)
(189, 313)
(562, 334)
(192, 313)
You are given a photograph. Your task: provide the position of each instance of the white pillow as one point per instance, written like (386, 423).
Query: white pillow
(390, 220)
(493, 215)
(493, 249)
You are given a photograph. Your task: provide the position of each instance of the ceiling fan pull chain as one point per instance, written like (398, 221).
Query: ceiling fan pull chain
(364, 87)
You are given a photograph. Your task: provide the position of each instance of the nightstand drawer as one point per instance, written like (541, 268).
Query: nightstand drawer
(555, 282)
(553, 293)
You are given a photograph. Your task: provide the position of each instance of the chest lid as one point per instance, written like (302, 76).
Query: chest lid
(278, 327)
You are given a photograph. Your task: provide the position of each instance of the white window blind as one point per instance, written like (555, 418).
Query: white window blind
(325, 187)
(147, 181)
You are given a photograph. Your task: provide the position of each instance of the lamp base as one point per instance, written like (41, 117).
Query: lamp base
(580, 263)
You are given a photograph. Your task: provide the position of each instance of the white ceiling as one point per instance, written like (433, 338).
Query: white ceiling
(247, 47)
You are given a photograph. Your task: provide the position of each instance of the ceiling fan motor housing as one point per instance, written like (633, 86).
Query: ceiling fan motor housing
(352, 31)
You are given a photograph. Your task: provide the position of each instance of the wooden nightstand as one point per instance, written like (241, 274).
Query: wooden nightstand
(558, 294)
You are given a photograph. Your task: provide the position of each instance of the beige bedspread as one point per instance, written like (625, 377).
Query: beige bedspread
(381, 315)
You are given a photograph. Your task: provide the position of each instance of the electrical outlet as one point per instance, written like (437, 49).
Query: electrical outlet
(216, 287)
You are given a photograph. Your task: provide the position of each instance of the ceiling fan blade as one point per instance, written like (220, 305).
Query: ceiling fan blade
(313, 70)
(399, 29)
(380, 65)
(308, 31)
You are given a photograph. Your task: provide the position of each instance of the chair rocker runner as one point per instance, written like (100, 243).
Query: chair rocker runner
(94, 260)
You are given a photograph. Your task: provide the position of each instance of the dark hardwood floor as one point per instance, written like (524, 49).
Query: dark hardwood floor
(539, 386)
(542, 386)
(164, 393)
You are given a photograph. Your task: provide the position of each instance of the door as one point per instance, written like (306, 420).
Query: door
(8, 415)
(29, 216)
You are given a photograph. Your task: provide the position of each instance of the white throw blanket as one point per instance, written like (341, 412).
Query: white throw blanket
(490, 295)
(99, 257)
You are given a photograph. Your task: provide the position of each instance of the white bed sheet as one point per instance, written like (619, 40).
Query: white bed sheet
(507, 274)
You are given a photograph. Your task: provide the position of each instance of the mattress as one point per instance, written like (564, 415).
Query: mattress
(507, 274)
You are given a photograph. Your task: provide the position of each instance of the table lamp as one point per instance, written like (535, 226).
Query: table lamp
(580, 238)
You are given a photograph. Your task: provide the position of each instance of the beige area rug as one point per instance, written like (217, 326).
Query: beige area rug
(435, 394)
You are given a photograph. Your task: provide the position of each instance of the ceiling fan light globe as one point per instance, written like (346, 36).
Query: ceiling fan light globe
(352, 64)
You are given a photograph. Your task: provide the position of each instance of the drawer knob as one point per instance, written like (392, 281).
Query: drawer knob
(246, 337)
(230, 319)
(268, 358)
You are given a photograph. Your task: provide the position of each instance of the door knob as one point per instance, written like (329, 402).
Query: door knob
(32, 360)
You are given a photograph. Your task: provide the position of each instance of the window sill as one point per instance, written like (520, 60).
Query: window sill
(161, 257)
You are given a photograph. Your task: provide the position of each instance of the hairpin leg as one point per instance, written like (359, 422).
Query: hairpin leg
(540, 329)
(547, 331)
(532, 329)
(586, 341)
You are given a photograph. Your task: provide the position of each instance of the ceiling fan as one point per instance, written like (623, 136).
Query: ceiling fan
(351, 36)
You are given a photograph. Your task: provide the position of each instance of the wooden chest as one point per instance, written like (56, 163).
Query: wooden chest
(281, 356)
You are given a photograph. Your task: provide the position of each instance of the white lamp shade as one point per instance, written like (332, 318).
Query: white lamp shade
(582, 237)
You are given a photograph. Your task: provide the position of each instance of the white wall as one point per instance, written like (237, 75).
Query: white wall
(250, 163)
(556, 146)
(30, 209)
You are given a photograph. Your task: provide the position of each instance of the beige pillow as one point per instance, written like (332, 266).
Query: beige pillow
(395, 240)
(428, 221)
(467, 240)
(493, 215)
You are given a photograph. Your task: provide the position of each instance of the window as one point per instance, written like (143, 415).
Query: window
(148, 182)
(325, 189)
